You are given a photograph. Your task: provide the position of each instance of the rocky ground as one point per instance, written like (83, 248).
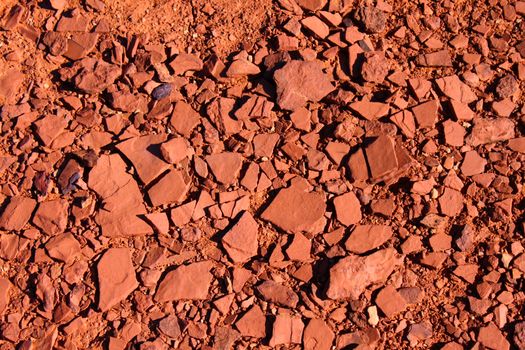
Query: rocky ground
(233, 174)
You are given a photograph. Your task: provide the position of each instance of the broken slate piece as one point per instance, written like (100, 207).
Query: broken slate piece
(240, 242)
(186, 282)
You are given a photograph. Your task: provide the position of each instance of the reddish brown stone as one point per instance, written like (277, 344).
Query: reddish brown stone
(367, 237)
(17, 213)
(52, 216)
(347, 209)
(186, 282)
(278, 294)
(225, 166)
(240, 242)
(318, 335)
(287, 330)
(171, 188)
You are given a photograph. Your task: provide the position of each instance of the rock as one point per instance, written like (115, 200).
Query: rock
(316, 26)
(95, 76)
(171, 188)
(252, 323)
(490, 130)
(184, 118)
(295, 210)
(435, 59)
(121, 198)
(185, 62)
(161, 91)
(225, 166)
(52, 216)
(451, 202)
(454, 88)
(169, 326)
(454, 133)
(144, 153)
(175, 150)
(419, 332)
(116, 277)
(242, 67)
(296, 81)
(186, 282)
(5, 288)
(473, 164)
(17, 213)
(375, 67)
(287, 330)
(518, 338)
(381, 156)
(372, 19)
(461, 110)
(317, 335)
(312, 5)
(517, 144)
(507, 86)
(278, 294)
(299, 249)
(240, 242)
(491, 337)
(390, 301)
(353, 274)
(367, 237)
(63, 247)
(348, 209)
(426, 114)
(370, 110)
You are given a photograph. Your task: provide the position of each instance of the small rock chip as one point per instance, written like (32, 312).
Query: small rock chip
(454, 133)
(299, 82)
(116, 277)
(318, 335)
(241, 68)
(225, 166)
(161, 91)
(426, 114)
(372, 19)
(352, 274)
(171, 188)
(491, 337)
(63, 247)
(454, 88)
(295, 210)
(435, 59)
(490, 130)
(451, 202)
(375, 67)
(17, 213)
(240, 242)
(278, 294)
(473, 164)
(252, 323)
(367, 237)
(506, 86)
(186, 282)
(390, 301)
(312, 5)
(348, 209)
(5, 288)
(51, 216)
(287, 330)
(144, 153)
(381, 156)
(370, 110)
(175, 150)
(169, 326)
(519, 335)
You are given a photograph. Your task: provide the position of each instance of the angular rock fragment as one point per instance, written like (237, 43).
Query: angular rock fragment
(372, 19)
(186, 282)
(287, 330)
(473, 164)
(17, 213)
(225, 166)
(5, 288)
(435, 59)
(116, 277)
(491, 337)
(375, 67)
(370, 110)
(63, 247)
(506, 86)
(52, 216)
(240, 242)
(278, 294)
(390, 301)
(317, 335)
(353, 274)
(348, 209)
(295, 210)
(252, 323)
(367, 237)
(490, 130)
(454, 88)
(95, 76)
(171, 188)
(299, 82)
(381, 156)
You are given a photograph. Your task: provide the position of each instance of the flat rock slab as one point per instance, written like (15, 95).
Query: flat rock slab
(367, 237)
(487, 131)
(144, 153)
(116, 277)
(318, 335)
(381, 156)
(299, 82)
(295, 210)
(225, 166)
(348, 209)
(287, 330)
(353, 274)
(17, 213)
(240, 242)
(455, 89)
(171, 188)
(278, 294)
(190, 282)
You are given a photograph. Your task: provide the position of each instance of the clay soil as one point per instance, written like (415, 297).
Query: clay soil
(270, 174)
